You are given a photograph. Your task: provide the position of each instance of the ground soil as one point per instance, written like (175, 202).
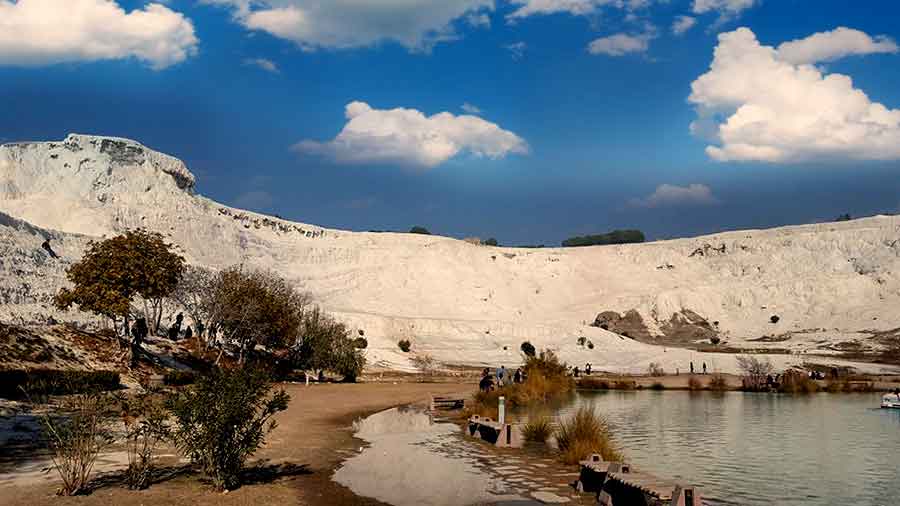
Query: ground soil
(313, 437)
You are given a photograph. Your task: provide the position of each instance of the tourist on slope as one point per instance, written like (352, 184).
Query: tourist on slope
(501, 373)
(517, 378)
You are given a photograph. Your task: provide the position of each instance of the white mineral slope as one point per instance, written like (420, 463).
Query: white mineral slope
(463, 303)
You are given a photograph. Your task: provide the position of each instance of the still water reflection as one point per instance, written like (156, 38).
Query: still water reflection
(761, 449)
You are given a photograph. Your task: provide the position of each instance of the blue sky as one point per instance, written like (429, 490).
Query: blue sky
(582, 121)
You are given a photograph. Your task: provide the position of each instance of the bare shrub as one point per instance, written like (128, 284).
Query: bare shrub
(584, 433)
(654, 369)
(145, 428)
(717, 383)
(755, 371)
(425, 363)
(77, 438)
(694, 383)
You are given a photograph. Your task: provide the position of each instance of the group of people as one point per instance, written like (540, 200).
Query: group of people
(502, 378)
(577, 372)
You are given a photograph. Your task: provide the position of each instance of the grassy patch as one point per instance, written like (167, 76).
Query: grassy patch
(584, 433)
(55, 382)
(589, 383)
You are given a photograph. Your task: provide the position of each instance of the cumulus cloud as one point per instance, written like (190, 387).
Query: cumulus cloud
(833, 45)
(620, 44)
(668, 195)
(409, 138)
(43, 32)
(267, 65)
(758, 106)
(516, 50)
(470, 109)
(314, 24)
(682, 24)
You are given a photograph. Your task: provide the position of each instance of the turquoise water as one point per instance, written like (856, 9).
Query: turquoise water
(761, 449)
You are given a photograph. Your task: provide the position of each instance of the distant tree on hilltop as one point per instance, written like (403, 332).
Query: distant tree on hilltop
(491, 242)
(614, 237)
(844, 217)
(419, 230)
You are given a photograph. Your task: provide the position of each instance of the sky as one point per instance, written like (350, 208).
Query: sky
(525, 120)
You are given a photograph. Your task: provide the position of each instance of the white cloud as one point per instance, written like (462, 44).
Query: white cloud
(682, 24)
(44, 32)
(479, 20)
(727, 8)
(470, 109)
(516, 50)
(267, 65)
(528, 8)
(620, 44)
(667, 195)
(315, 24)
(833, 45)
(760, 107)
(407, 137)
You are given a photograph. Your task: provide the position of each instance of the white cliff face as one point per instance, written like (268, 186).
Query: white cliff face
(828, 283)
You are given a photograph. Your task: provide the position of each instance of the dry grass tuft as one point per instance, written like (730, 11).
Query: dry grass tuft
(584, 433)
(538, 430)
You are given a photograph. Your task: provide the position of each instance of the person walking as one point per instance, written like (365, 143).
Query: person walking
(500, 371)
(704, 367)
(692, 367)
(517, 377)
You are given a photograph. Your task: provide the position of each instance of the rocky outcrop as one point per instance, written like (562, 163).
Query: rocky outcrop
(683, 328)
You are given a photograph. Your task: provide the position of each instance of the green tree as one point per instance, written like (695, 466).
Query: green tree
(224, 419)
(327, 345)
(491, 242)
(255, 307)
(114, 272)
(419, 230)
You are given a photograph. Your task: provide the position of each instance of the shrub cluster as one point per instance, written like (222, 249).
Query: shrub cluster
(404, 345)
(176, 378)
(54, 382)
(528, 349)
(614, 237)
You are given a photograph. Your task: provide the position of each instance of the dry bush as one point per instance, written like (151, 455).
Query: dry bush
(546, 379)
(77, 438)
(589, 383)
(654, 369)
(755, 371)
(717, 383)
(425, 363)
(657, 386)
(144, 418)
(584, 433)
(623, 384)
(538, 430)
(797, 382)
(694, 383)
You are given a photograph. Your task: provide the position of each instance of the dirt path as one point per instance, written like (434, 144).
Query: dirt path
(313, 437)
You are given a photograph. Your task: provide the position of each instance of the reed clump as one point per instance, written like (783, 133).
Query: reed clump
(694, 384)
(797, 382)
(589, 383)
(584, 433)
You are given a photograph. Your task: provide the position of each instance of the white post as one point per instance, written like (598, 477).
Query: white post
(501, 409)
(306, 375)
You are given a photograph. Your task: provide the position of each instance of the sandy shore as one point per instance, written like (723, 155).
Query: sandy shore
(313, 437)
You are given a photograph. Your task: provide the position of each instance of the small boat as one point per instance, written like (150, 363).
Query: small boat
(890, 401)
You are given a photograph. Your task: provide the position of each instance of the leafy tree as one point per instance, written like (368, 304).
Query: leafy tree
(614, 237)
(491, 242)
(193, 293)
(327, 345)
(224, 419)
(254, 307)
(419, 230)
(114, 272)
